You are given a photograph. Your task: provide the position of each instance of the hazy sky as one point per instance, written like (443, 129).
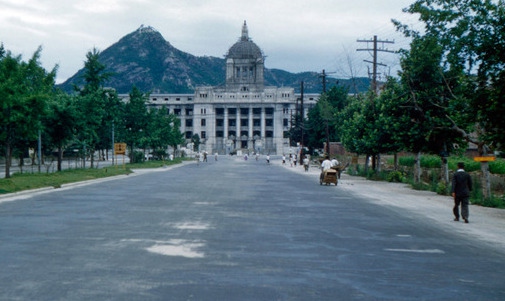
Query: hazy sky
(295, 35)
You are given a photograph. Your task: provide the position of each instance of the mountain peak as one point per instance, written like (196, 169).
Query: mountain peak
(146, 29)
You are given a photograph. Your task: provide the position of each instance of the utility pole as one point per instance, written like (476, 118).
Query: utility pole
(323, 76)
(302, 117)
(375, 42)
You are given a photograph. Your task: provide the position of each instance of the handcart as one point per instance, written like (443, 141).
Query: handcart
(328, 177)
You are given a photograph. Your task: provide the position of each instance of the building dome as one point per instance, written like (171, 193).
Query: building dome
(245, 48)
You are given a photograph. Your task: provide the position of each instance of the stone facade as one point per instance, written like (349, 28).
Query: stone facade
(243, 113)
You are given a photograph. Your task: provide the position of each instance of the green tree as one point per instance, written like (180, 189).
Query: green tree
(60, 124)
(92, 105)
(322, 124)
(25, 87)
(471, 35)
(195, 139)
(135, 120)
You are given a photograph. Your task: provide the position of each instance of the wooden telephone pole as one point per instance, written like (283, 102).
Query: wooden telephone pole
(375, 49)
(323, 75)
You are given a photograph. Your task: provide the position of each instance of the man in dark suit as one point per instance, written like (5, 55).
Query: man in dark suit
(461, 187)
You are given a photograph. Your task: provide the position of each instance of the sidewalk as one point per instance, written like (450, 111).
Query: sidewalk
(486, 224)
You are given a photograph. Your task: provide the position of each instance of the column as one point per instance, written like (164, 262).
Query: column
(225, 124)
(250, 130)
(239, 138)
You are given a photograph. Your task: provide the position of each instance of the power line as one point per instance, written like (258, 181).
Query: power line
(375, 43)
(323, 76)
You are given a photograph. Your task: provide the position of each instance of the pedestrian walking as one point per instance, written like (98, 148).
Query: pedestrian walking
(306, 163)
(460, 190)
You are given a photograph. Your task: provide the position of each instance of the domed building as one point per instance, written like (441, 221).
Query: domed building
(244, 65)
(242, 114)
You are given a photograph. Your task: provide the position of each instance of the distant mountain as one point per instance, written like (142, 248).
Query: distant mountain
(145, 59)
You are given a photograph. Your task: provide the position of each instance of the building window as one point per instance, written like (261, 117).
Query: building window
(285, 122)
(189, 122)
(219, 122)
(219, 134)
(244, 122)
(269, 122)
(203, 122)
(244, 111)
(232, 111)
(257, 111)
(269, 111)
(189, 112)
(256, 122)
(232, 122)
(219, 111)
(177, 111)
(269, 134)
(203, 134)
(189, 134)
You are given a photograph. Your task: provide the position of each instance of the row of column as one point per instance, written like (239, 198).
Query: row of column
(251, 123)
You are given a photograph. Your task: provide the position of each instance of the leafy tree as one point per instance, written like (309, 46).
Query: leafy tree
(471, 35)
(92, 106)
(60, 124)
(322, 119)
(135, 120)
(25, 88)
(195, 139)
(176, 137)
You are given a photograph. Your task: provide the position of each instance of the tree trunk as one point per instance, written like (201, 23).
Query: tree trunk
(378, 163)
(8, 157)
(486, 179)
(445, 170)
(417, 170)
(367, 161)
(60, 157)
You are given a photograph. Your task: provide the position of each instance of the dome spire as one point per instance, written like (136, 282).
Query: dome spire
(245, 32)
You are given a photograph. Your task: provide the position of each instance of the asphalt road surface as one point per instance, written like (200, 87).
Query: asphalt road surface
(233, 230)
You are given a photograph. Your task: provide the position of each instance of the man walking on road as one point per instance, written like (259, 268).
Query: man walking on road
(461, 187)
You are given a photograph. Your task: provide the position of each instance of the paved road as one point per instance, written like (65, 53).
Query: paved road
(234, 230)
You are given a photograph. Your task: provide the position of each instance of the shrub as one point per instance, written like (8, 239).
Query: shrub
(431, 162)
(407, 161)
(137, 157)
(497, 167)
(395, 176)
(442, 188)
